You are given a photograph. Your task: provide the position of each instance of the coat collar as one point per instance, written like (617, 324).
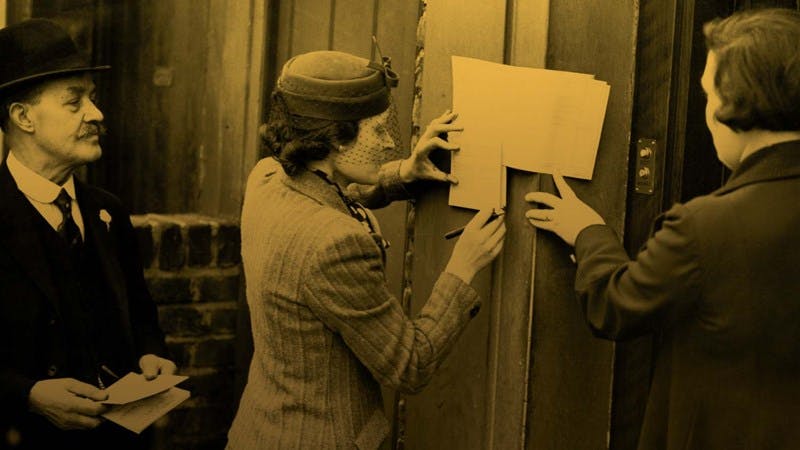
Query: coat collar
(772, 163)
(314, 187)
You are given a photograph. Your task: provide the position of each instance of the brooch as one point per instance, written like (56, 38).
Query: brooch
(106, 218)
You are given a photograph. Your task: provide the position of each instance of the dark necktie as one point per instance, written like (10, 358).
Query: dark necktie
(68, 229)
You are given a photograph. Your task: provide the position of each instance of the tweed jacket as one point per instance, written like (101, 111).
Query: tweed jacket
(32, 328)
(719, 281)
(326, 330)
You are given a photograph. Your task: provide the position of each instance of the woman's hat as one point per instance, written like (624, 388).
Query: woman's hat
(38, 48)
(336, 86)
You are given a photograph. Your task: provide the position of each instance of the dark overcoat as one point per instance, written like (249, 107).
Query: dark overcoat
(719, 282)
(32, 331)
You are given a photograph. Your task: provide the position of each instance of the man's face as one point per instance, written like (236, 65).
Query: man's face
(66, 122)
(726, 141)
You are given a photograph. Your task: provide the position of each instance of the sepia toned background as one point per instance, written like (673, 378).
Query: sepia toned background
(189, 83)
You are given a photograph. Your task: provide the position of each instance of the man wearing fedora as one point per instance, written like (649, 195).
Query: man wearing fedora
(75, 312)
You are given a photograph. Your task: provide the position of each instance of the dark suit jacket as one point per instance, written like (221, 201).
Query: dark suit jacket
(720, 282)
(31, 332)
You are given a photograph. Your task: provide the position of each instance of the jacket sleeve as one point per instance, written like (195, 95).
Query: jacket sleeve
(388, 189)
(624, 298)
(346, 288)
(147, 334)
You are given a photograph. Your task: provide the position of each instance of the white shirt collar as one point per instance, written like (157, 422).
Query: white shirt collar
(34, 185)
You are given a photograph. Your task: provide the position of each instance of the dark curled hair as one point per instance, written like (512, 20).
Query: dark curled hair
(295, 140)
(758, 69)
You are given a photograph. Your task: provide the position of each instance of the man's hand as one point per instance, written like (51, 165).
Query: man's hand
(68, 403)
(566, 216)
(152, 366)
(418, 166)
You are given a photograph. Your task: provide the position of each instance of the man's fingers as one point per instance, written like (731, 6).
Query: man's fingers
(543, 224)
(88, 391)
(544, 198)
(81, 422)
(149, 365)
(87, 407)
(168, 367)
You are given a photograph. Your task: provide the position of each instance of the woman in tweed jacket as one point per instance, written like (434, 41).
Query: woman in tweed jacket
(326, 330)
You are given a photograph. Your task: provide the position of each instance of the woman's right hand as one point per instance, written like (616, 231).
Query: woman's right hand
(479, 245)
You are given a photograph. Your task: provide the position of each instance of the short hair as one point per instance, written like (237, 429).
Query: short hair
(758, 69)
(295, 140)
(23, 93)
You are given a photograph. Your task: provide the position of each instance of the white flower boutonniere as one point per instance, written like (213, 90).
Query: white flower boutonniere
(106, 218)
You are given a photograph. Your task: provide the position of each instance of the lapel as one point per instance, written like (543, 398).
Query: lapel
(18, 235)
(772, 163)
(98, 234)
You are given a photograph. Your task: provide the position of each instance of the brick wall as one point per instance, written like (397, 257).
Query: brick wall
(192, 267)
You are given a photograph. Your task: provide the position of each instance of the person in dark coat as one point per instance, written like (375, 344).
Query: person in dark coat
(75, 312)
(719, 280)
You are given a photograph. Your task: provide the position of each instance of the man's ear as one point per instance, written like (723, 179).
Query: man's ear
(18, 114)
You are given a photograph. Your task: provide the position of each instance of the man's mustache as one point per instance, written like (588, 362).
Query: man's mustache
(93, 129)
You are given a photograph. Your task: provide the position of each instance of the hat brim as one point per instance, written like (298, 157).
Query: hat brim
(54, 72)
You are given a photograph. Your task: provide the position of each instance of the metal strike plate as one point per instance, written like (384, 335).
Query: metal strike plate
(646, 150)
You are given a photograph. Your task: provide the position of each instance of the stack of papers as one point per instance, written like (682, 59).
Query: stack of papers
(137, 402)
(529, 119)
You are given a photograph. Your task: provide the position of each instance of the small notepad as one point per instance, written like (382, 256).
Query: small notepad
(136, 402)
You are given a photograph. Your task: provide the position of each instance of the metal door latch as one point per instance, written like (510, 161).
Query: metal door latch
(645, 165)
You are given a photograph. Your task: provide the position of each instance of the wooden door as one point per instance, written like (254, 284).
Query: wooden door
(526, 373)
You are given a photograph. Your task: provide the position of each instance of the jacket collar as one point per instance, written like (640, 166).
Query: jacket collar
(772, 163)
(18, 236)
(314, 187)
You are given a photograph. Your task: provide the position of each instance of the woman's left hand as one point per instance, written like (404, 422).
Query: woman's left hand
(566, 216)
(418, 166)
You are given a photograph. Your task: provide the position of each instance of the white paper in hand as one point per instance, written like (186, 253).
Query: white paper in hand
(134, 386)
(138, 415)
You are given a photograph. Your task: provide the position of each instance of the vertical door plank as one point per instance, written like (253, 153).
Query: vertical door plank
(230, 94)
(513, 304)
(353, 26)
(450, 412)
(396, 28)
(255, 93)
(571, 372)
(311, 25)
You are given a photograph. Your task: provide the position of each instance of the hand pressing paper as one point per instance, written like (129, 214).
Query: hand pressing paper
(136, 403)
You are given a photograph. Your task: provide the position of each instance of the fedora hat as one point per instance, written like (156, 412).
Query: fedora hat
(38, 48)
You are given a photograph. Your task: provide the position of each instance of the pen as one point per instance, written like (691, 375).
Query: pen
(105, 369)
(457, 232)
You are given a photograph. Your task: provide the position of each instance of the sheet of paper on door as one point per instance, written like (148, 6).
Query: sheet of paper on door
(529, 119)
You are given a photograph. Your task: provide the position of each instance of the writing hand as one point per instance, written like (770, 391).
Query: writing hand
(68, 403)
(478, 246)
